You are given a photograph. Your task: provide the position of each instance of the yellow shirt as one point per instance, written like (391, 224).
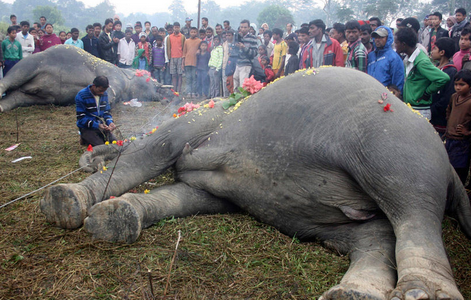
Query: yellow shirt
(344, 46)
(279, 51)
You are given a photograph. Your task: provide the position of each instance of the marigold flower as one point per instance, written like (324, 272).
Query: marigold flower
(105, 168)
(133, 138)
(114, 142)
(146, 191)
(107, 143)
(153, 130)
(89, 148)
(174, 115)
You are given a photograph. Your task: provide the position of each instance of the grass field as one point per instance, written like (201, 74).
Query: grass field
(219, 257)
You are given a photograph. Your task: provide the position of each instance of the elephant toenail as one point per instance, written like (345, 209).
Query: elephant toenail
(395, 298)
(416, 294)
(443, 296)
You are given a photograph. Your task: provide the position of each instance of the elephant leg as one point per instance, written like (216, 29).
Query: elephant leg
(372, 273)
(16, 99)
(122, 219)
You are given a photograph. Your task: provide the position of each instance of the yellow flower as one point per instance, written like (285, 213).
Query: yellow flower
(107, 143)
(133, 138)
(114, 142)
(105, 168)
(146, 191)
(153, 130)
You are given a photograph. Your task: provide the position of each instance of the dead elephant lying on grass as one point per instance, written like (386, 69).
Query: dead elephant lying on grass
(314, 160)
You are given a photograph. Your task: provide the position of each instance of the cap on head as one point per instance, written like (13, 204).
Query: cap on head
(142, 34)
(380, 32)
(188, 19)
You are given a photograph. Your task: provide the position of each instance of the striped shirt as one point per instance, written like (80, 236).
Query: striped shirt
(89, 114)
(357, 56)
(216, 58)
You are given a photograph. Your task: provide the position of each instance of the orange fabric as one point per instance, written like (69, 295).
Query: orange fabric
(230, 84)
(176, 47)
(189, 51)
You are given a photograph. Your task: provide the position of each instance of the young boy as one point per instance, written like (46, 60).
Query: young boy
(442, 51)
(215, 65)
(158, 58)
(144, 45)
(279, 53)
(462, 56)
(12, 51)
(458, 129)
(202, 60)
(189, 61)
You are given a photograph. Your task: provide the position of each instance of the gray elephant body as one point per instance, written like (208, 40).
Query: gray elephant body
(314, 155)
(56, 75)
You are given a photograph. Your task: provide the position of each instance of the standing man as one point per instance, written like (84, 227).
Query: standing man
(384, 63)
(126, 50)
(93, 113)
(74, 40)
(436, 30)
(322, 50)
(375, 22)
(11, 48)
(227, 25)
(365, 31)
(147, 25)
(175, 44)
(357, 54)
(97, 27)
(90, 41)
(289, 30)
(167, 77)
(13, 20)
(42, 22)
(461, 23)
(135, 37)
(186, 29)
(338, 32)
(228, 62)
(50, 38)
(424, 34)
(106, 43)
(247, 44)
(204, 23)
(422, 78)
(25, 39)
(279, 53)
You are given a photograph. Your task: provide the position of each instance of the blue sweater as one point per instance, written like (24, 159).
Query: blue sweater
(386, 65)
(88, 115)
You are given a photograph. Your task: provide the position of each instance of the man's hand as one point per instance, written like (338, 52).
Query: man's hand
(111, 127)
(465, 59)
(460, 129)
(116, 40)
(103, 127)
(240, 45)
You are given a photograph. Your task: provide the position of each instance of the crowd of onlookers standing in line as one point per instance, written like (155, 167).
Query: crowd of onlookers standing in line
(421, 65)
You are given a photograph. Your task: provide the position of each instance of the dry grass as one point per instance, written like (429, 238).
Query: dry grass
(219, 257)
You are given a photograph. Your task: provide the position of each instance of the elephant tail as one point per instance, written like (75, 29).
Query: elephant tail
(458, 204)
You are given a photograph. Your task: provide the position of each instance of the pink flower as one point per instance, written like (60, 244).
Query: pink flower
(148, 79)
(251, 85)
(211, 103)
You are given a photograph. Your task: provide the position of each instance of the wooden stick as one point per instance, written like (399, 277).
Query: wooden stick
(171, 263)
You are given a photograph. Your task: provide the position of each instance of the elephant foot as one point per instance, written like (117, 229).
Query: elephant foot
(113, 220)
(416, 287)
(65, 205)
(344, 291)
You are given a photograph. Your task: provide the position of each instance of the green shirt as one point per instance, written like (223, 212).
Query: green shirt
(12, 50)
(216, 58)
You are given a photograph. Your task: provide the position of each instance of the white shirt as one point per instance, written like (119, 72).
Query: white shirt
(409, 61)
(126, 51)
(27, 43)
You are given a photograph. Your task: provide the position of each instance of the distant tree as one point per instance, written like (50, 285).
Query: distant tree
(73, 11)
(344, 14)
(52, 14)
(177, 9)
(211, 10)
(23, 9)
(99, 13)
(449, 7)
(275, 16)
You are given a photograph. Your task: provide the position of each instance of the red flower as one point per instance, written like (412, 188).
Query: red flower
(119, 143)
(211, 104)
(181, 109)
(251, 85)
(387, 107)
(89, 148)
(112, 197)
(148, 79)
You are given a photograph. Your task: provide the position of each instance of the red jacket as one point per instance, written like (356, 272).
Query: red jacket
(49, 40)
(333, 54)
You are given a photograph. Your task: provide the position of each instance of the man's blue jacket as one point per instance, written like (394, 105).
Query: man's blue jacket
(88, 114)
(385, 64)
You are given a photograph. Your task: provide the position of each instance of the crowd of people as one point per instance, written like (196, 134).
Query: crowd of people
(426, 66)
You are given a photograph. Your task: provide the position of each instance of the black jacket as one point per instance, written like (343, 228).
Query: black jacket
(91, 45)
(441, 99)
(107, 48)
(441, 32)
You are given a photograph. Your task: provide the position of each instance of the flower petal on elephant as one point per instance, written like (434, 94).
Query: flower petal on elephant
(120, 143)
(211, 104)
(387, 107)
(89, 148)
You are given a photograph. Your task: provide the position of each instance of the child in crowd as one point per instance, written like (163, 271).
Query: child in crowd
(395, 90)
(462, 56)
(144, 45)
(458, 131)
(12, 51)
(215, 66)
(202, 60)
(269, 74)
(293, 60)
(202, 34)
(63, 36)
(189, 61)
(262, 51)
(442, 51)
(279, 53)
(158, 58)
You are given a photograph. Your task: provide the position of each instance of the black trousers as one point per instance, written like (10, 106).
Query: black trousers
(95, 137)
